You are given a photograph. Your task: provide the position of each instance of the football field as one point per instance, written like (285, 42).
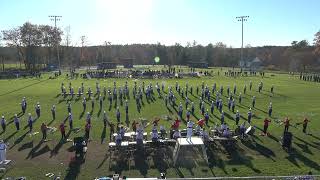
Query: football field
(264, 155)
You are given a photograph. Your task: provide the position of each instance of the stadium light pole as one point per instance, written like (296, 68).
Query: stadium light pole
(242, 18)
(56, 18)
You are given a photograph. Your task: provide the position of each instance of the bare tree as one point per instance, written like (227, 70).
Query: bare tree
(316, 42)
(83, 40)
(12, 37)
(67, 36)
(107, 53)
(28, 39)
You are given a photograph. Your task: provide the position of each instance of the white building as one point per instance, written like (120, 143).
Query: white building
(254, 65)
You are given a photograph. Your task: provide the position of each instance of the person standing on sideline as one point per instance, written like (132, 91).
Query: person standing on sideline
(53, 112)
(105, 119)
(70, 117)
(17, 122)
(87, 129)
(24, 105)
(212, 107)
(286, 124)
(206, 117)
(270, 109)
(253, 101)
(305, 124)
(100, 101)
(237, 117)
(192, 108)
(84, 103)
(44, 131)
(222, 117)
(249, 116)
(92, 103)
(265, 126)
(30, 122)
(62, 131)
(38, 109)
(3, 124)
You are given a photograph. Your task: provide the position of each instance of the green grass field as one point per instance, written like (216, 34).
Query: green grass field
(293, 98)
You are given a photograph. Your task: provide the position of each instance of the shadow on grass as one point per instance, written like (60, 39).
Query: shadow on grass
(303, 147)
(91, 112)
(261, 110)
(294, 156)
(213, 159)
(61, 100)
(141, 163)
(99, 112)
(73, 169)
(82, 113)
(266, 152)
(26, 146)
(306, 143)
(56, 149)
(227, 115)
(127, 120)
(314, 136)
(103, 161)
(170, 111)
(103, 135)
(50, 122)
(9, 137)
(237, 157)
(77, 99)
(17, 141)
(159, 161)
(36, 152)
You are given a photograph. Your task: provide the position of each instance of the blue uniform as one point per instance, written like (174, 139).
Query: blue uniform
(222, 118)
(237, 118)
(270, 111)
(212, 107)
(249, 116)
(118, 116)
(206, 118)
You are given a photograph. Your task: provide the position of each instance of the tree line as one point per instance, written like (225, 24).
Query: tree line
(35, 46)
